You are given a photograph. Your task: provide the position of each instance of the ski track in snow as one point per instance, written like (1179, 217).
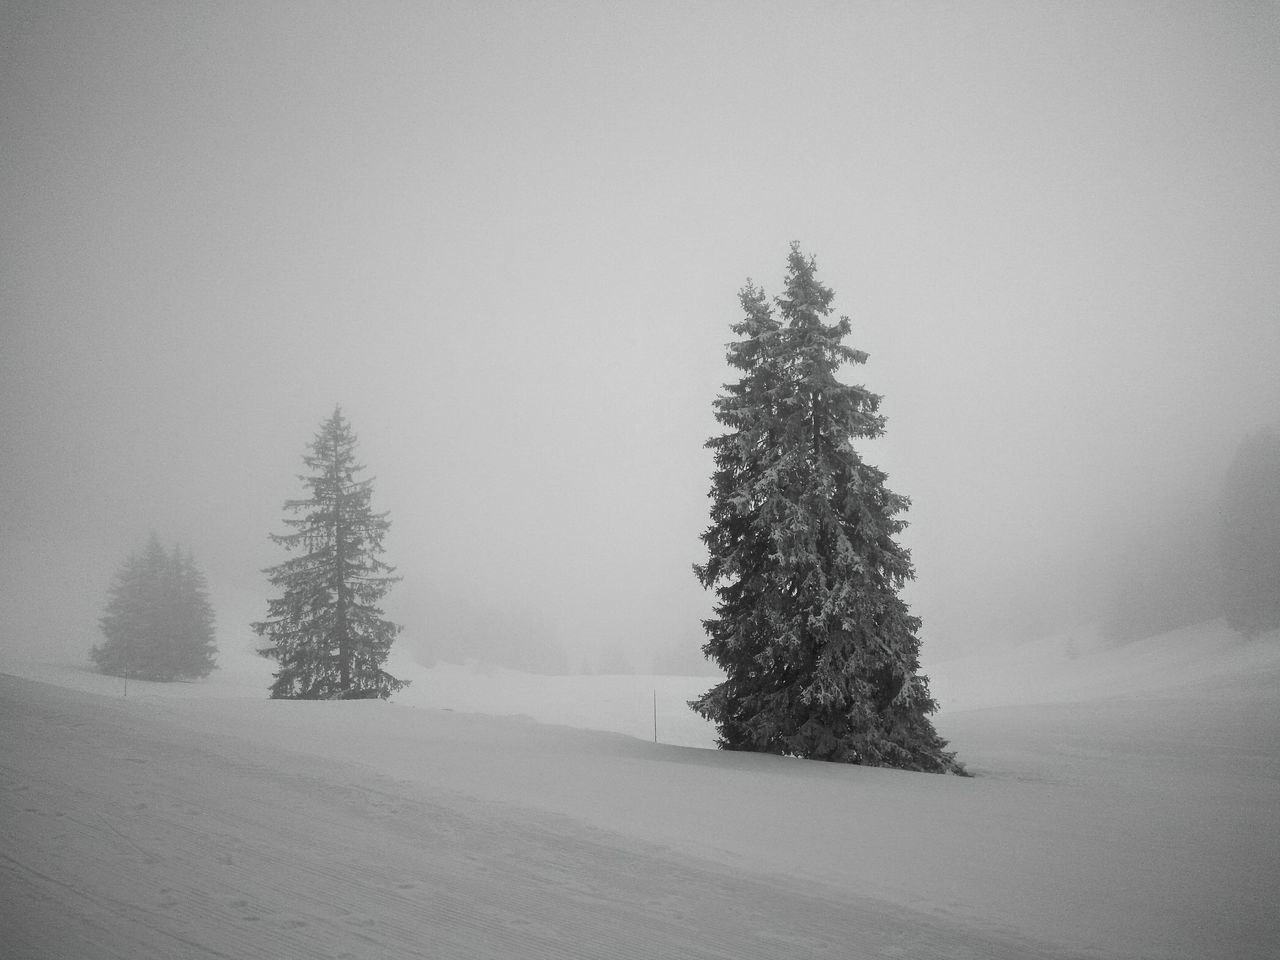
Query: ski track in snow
(1126, 807)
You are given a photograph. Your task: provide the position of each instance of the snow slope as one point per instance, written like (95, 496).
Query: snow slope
(1126, 805)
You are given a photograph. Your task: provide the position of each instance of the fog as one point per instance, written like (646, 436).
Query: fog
(508, 238)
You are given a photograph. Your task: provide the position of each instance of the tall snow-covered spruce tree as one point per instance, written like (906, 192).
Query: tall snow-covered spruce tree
(820, 654)
(326, 630)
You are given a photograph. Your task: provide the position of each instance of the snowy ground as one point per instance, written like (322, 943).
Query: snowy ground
(1126, 805)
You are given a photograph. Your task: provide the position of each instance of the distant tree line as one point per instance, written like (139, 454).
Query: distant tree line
(1251, 536)
(1220, 559)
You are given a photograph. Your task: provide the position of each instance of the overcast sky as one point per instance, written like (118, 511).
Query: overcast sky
(508, 239)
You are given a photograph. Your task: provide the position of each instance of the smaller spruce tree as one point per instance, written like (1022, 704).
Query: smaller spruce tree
(325, 629)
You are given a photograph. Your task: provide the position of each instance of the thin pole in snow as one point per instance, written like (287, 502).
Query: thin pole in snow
(655, 714)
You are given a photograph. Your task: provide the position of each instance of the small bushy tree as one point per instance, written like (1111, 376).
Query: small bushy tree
(325, 629)
(820, 653)
(158, 623)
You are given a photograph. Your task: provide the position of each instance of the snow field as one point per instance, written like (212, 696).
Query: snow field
(1125, 806)
(137, 829)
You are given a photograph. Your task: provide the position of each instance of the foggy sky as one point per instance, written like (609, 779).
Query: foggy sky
(508, 239)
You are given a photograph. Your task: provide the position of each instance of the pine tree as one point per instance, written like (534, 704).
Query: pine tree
(326, 630)
(1251, 536)
(158, 622)
(820, 653)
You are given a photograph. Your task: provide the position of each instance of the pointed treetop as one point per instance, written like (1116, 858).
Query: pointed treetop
(336, 424)
(805, 296)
